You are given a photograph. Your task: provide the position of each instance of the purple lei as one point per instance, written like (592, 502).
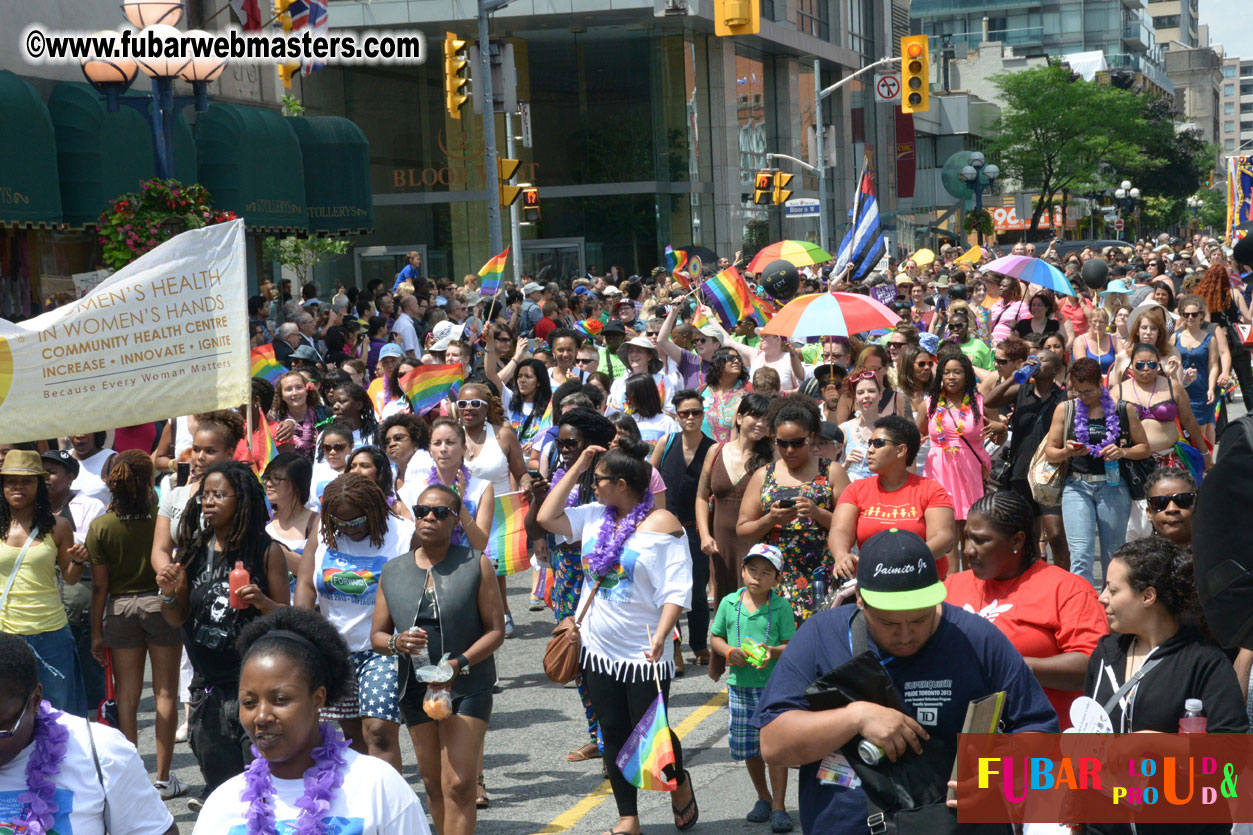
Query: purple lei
(1112, 425)
(433, 478)
(572, 499)
(321, 783)
(39, 800)
(609, 542)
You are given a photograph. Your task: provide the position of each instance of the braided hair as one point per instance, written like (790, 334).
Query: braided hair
(130, 484)
(247, 532)
(363, 493)
(262, 393)
(227, 423)
(1010, 514)
(43, 522)
(937, 382)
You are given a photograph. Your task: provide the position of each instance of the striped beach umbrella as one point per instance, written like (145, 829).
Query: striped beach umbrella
(829, 314)
(800, 253)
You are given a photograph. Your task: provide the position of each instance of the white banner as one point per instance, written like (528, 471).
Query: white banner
(164, 336)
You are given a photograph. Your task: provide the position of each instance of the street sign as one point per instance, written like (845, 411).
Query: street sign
(1118, 224)
(525, 108)
(887, 88)
(800, 206)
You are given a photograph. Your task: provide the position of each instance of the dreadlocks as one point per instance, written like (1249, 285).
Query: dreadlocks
(363, 494)
(247, 532)
(43, 522)
(130, 484)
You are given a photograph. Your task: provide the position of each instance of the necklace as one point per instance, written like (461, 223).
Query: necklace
(739, 609)
(39, 804)
(959, 422)
(321, 782)
(1083, 424)
(433, 477)
(614, 533)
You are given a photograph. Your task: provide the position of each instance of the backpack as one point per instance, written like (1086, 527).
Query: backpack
(1222, 550)
(1045, 478)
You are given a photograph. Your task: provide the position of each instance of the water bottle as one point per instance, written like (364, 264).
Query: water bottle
(237, 579)
(1112, 474)
(421, 658)
(1193, 719)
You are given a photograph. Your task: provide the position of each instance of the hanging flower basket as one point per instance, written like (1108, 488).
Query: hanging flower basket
(137, 222)
(979, 220)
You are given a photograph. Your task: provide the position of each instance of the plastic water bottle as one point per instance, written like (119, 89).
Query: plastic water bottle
(1193, 719)
(1112, 474)
(422, 657)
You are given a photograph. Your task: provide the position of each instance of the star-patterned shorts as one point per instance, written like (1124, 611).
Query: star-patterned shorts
(372, 693)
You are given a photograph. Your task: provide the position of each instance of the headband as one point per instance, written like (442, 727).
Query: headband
(301, 640)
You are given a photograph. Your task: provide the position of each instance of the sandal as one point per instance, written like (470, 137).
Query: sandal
(679, 668)
(690, 808)
(702, 657)
(482, 801)
(587, 752)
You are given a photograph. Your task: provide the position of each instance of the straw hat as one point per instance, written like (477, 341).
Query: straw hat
(23, 462)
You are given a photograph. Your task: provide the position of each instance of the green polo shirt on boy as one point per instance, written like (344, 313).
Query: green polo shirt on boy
(733, 623)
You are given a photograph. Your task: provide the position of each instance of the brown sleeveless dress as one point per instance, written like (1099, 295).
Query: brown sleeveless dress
(731, 548)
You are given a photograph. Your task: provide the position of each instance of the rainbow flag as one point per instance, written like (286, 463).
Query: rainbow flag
(492, 272)
(265, 366)
(507, 542)
(590, 327)
(676, 259)
(427, 385)
(729, 297)
(1221, 394)
(262, 446)
(648, 750)
(763, 311)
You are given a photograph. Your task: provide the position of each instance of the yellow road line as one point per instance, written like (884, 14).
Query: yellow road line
(567, 819)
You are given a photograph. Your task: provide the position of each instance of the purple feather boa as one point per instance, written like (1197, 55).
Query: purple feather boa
(321, 783)
(39, 803)
(609, 541)
(433, 478)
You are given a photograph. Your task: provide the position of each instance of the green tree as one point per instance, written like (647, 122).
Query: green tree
(1174, 163)
(301, 254)
(1213, 213)
(1057, 132)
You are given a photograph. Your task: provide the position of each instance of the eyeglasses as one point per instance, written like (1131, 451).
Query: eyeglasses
(691, 413)
(358, 522)
(785, 444)
(440, 511)
(216, 496)
(273, 479)
(1146, 365)
(1183, 501)
(880, 443)
(475, 403)
(396, 439)
(1196, 314)
(11, 732)
(568, 443)
(334, 448)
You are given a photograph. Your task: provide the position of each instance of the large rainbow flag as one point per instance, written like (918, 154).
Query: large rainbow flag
(507, 541)
(492, 272)
(648, 750)
(729, 297)
(427, 385)
(266, 366)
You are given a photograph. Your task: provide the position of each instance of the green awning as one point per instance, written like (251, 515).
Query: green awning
(102, 155)
(337, 175)
(250, 161)
(30, 193)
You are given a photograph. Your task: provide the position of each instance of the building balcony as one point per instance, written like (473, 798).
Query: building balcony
(1137, 36)
(1022, 36)
(1133, 4)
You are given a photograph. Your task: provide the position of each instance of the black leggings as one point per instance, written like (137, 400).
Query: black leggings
(698, 615)
(619, 708)
(218, 740)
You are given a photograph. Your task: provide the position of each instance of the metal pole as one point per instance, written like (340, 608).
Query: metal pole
(979, 203)
(515, 231)
(165, 167)
(492, 172)
(822, 166)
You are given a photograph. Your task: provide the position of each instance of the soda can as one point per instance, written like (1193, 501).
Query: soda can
(870, 753)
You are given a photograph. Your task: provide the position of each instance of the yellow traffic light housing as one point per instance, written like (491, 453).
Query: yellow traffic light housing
(737, 17)
(781, 190)
(530, 204)
(455, 75)
(506, 169)
(915, 74)
(763, 186)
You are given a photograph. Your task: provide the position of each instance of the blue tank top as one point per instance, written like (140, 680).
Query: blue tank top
(1198, 358)
(1106, 359)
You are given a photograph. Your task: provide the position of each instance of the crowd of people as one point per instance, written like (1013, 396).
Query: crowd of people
(994, 494)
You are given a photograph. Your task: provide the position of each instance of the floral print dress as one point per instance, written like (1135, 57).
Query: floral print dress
(802, 541)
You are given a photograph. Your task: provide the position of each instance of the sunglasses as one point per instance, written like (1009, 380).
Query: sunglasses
(691, 413)
(785, 444)
(879, 443)
(865, 375)
(892, 345)
(9, 734)
(597, 479)
(334, 447)
(471, 404)
(441, 512)
(1196, 314)
(358, 522)
(1146, 365)
(652, 333)
(586, 360)
(927, 364)
(1183, 501)
(1000, 361)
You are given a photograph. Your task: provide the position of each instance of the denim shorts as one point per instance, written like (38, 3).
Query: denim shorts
(59, 673)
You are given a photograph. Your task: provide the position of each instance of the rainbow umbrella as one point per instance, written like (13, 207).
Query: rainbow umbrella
(800, 253)
(829, 314)
(1033, 271)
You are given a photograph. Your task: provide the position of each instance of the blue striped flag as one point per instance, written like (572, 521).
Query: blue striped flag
(862, 246)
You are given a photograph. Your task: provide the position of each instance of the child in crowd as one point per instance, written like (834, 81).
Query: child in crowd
(766, 381)
(758, 613)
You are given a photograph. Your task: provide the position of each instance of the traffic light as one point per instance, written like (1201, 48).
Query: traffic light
(915, 74)
(455, 79)
(763, 186)
(506, 168)
(288, 68)
(781, 190)
(285, 72)
(530, 204)
(737, 17)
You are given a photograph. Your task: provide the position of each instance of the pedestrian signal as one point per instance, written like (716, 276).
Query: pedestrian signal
(763, 188)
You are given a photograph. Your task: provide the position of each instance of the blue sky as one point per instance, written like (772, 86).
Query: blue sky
(1230, 24)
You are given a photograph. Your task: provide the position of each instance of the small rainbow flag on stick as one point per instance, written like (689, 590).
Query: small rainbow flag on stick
(491, 273)
(427, 385)
(648, 750)
(729, 297)
(265, 365)
(507, 542)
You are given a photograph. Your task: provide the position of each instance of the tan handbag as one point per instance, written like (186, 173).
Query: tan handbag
(561, 656)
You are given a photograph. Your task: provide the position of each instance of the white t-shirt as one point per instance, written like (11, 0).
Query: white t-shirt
(346, 579)
(134, 806)
(83, 510)
(655, 428)
(783, 365)
(173, 502)
(654, 569)
(373, 800)
(666, 384)
(323, 474)
(421, 479)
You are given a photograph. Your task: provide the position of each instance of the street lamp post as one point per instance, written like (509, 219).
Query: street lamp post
(979, 175)
(1195, 204)
(1127, 196)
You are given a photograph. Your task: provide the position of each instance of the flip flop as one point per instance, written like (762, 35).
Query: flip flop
(580, 754)
(690, 807)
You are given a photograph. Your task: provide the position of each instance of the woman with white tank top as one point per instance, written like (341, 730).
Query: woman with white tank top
(93, 463)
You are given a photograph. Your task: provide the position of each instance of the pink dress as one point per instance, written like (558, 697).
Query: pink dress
(957, 458)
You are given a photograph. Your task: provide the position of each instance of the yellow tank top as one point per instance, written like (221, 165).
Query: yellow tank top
(34, 602)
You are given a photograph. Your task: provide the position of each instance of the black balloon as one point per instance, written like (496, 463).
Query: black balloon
(1242, 252)
(781, 279)
(1095, 273)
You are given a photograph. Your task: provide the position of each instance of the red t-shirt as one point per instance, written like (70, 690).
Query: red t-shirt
(1044, 611)
(1074, 311)
(544, 327)
(903, 509)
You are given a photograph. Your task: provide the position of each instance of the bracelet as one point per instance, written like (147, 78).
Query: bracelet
(170, 600)
(391, 643)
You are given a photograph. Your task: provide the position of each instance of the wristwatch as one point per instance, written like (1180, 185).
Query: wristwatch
(463, 664)
(391, 643)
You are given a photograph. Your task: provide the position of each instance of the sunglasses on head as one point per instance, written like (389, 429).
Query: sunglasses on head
(358, 522)
(1183, 501)
(865, 375)
(786, 444)
(441, 512)
(474, 403)
(1146, 365)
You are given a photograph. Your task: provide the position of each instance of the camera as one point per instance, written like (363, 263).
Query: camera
(210, 637)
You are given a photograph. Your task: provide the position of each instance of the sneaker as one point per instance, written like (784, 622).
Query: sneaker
(195, 804)
(760, 812)
(508, 625)
(536, 605)
(181, 734)
(780, 821)
(171, 788)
